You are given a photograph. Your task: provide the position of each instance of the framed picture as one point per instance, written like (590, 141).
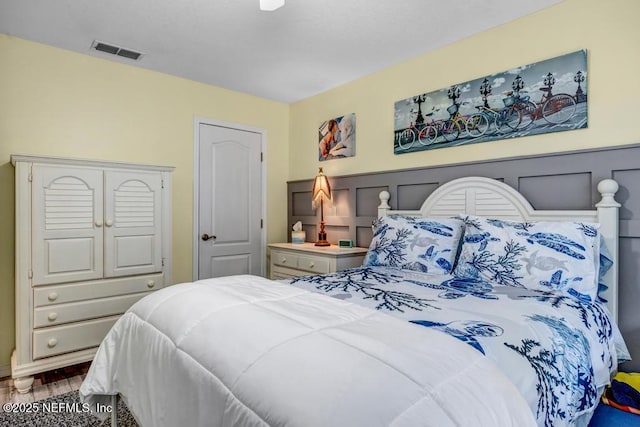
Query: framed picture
(543, 97)
(337, 138)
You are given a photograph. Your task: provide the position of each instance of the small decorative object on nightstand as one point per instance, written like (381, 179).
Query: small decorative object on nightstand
(345, 243)
(298, 234)
(293, 260)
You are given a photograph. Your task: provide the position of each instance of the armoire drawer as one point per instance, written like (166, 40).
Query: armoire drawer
(67, 338)
(59, 294)
(82, 310)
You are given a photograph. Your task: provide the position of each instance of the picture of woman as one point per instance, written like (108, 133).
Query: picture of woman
(337, 138)
(330, 139)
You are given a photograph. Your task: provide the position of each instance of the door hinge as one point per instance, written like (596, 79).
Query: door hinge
(162, 183)
(261, 157)
(30, 177)
(261, 222)
(163, 262)
(30, 274)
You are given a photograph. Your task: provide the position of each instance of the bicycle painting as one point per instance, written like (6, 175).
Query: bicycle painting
(543, 97)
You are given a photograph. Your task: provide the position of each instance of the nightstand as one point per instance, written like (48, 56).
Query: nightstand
(303, 259)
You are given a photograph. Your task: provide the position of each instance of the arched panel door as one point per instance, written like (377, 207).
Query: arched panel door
(133, 223)
(67, 224)
(230, 202)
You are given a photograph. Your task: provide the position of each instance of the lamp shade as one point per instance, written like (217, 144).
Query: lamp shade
(321, 188)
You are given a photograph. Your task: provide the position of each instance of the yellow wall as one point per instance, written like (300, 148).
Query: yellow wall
(55, 102)
(607, 29)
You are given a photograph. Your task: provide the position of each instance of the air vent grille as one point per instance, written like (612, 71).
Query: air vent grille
(116, 50)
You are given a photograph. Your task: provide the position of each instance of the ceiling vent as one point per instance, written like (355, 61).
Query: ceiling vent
(116, 50)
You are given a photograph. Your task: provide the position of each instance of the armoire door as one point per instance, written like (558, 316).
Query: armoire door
(67, 224)
(132, 223)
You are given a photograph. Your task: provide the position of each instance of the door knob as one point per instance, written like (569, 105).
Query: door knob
(206, 237)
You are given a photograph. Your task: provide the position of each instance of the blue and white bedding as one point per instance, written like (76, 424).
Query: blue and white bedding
(559, 351)
(458, 321)
(247, 351)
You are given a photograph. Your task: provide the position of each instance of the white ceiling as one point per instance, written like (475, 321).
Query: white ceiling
(299, 50)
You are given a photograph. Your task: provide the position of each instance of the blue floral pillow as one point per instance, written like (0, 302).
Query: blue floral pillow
(419, 244)
(551, 256)
(605, 265)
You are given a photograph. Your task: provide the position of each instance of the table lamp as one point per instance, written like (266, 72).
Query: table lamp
(321, 190)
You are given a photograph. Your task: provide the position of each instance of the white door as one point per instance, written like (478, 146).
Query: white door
(230, 202)
(132, 223)
(67, 224)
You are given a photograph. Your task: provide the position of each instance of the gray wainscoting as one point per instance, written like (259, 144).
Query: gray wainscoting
(554, 181)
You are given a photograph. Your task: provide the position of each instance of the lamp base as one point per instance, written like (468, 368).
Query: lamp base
(322, 239)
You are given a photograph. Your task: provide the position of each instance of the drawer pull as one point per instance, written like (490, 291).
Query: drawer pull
(311, 265)
(52, 296)
(283, 261)
(151, 284)
(52, 343)
(52, 316)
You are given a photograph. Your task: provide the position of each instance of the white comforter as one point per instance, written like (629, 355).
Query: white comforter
(248, 351)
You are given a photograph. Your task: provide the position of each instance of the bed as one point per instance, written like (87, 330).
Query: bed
(474, 310)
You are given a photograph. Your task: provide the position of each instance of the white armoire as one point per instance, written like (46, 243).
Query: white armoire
(92, 238)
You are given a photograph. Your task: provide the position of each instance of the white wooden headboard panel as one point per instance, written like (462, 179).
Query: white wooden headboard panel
(493, 199)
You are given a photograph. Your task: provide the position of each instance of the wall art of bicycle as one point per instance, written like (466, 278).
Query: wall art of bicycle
(543, 97)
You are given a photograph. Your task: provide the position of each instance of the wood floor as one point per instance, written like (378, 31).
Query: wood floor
(46, 384)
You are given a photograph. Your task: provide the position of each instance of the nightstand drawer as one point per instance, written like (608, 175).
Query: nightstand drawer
(314, 264)
(282, 273)
(285, 259)
(305, 259)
